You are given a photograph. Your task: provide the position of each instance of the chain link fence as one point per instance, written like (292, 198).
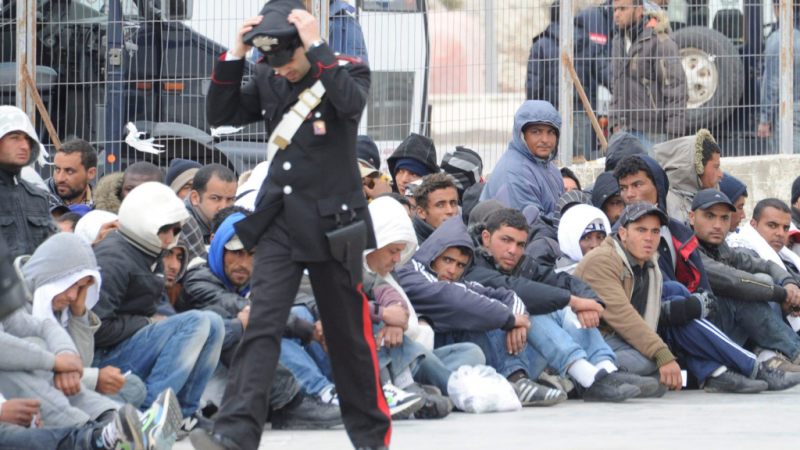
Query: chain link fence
(456, 70)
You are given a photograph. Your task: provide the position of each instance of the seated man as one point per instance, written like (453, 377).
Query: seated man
(180, 176)
(745, 285)
(737, 194)
(63, 284)
(401, 328)
(213, 188)
(494, 319)
(542, 244)
(605, 196)
(181, 351)
(436, 200)
(582, 230)
(566, 337)
(767, 235)
(692, 164)
(525, 175)
(222, 286)
(645, 326)
(414, 158)
(114, 187)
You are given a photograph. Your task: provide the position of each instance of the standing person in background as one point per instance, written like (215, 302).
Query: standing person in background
(648, 83)
(311, 214)
(768, 126)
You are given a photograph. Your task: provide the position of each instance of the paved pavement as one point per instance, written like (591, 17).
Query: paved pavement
(680, 420)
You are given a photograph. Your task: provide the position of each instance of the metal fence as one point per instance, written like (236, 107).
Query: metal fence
(456, 70)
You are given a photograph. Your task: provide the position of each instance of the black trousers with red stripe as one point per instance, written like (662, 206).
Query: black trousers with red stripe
(348, 333)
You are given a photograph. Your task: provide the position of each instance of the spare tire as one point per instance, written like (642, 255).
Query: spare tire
(714, 75)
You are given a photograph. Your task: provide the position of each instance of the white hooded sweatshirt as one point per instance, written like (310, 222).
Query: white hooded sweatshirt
(392, 225)
(570, 231)
(145, 210)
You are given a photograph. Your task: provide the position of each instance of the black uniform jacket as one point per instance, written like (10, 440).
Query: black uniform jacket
(316, 177)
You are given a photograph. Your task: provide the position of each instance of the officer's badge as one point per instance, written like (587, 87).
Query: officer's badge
(319, 128)
(265, 43)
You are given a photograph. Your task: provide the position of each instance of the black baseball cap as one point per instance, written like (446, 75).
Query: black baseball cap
(637, 210)
(709, 197)
(367, 152)
(275, 37)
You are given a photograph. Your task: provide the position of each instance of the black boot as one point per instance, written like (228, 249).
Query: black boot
(305, 412)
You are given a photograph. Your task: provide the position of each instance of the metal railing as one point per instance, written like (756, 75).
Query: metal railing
(456, 70)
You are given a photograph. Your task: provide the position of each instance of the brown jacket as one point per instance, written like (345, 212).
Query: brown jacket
(607, 270)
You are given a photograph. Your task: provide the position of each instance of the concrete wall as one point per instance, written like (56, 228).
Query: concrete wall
(765, 176)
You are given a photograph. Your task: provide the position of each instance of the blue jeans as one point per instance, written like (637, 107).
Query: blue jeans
(303, 367)
(560, 341)
(493, 345)
(755, 320)
(180, 352)
(13, 437)
(437, 366)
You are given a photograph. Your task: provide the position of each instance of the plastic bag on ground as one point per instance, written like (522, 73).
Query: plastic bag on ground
(481, 389)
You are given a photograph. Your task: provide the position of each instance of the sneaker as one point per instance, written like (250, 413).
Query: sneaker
(734, 383)
(782, 364)
(532, 394)
(435, 407)
(401, 403)
(556, 382)
(201, 440)
(124, 432)
(328, 395)
(306, 412)
(194, 422)
(777, 380)
(648, 385)
(160, 423)
(423, 389)
(607, 388)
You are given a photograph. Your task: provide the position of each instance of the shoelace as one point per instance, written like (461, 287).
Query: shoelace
(110, 435)
(772, 371)
(608, 380)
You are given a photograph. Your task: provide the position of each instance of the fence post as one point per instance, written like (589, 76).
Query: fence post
(114, 95)
(787, 76)
(26, 54)
(565, 82)
(320, 9)
(491, 48)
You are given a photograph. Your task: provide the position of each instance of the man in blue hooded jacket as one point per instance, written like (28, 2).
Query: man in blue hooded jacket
(525, 175)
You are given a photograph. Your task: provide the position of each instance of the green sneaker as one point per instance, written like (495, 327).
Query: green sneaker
(124, 432)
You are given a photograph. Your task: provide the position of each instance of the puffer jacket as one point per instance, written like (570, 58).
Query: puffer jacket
(521, 179)
(682, 160)
(734, 274)
(648, 84)
(607, 270)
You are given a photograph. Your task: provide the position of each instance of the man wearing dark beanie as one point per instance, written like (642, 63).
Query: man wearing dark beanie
(413, 159)
(180, 176)
(796, 202)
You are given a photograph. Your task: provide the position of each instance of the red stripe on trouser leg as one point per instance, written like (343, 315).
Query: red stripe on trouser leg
(367, 320)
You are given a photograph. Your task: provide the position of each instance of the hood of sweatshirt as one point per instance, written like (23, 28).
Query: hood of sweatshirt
(145, 210)
(14, 119)
(57, 264)
(89, 226)
(605, 187)
(534, 112)
(392, 226)
(452, 233)
(573, 225)
(620, 145)
(732, 187)
(216, 254)
(661, 179)
(418, 147)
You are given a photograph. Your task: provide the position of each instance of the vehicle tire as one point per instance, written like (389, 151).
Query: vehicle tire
(714, 75)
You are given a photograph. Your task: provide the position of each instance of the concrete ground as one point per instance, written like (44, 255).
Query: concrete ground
(688, 419)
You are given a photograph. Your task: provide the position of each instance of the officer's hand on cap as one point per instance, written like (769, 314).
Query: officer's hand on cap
(240, 49)
(306, 25)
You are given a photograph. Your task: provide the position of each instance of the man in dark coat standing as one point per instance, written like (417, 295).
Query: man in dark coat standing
(310, 214)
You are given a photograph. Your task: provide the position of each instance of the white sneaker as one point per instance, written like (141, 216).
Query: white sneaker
(401, 403)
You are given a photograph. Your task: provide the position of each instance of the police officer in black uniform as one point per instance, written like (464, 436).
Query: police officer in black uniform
(310, 214)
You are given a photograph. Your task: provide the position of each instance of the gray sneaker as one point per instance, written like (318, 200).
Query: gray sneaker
(533, 394)
(734, 383)
(648, 385)
(777, 380)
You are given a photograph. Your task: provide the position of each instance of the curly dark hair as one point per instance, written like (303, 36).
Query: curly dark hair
(430, 183)
(224, 213)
